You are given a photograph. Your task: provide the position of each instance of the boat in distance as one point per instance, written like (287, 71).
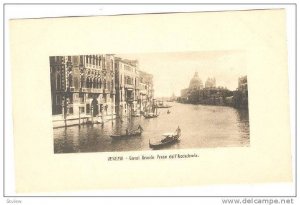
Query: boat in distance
(168, 138)
(150, 115)
(128, 134)
(136, 115)
(163, 106)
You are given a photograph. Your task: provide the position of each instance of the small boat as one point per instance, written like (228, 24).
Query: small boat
(168, 138)
(150, 115)
(163, 106)
(136, 114)
(168, 112)
(133, 133)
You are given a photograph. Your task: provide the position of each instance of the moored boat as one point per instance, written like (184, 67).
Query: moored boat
(136, 114)
(150, 115)
(167, 139)
(163, 106)
(128, 134)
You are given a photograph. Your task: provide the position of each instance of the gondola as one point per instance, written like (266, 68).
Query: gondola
(136, 115)
(150, 115)
(163, 106)
(167, 139)
(133, 133)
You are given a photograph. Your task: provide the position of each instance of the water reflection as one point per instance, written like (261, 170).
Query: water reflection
(201, 125)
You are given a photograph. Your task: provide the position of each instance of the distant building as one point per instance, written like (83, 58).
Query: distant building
(127, 86)
(240, 98)
(184, 93)
(210, 95)
(243, 84)
(146, 91)
(210, 83)
(196, 82)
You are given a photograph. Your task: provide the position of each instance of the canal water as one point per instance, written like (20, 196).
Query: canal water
(202, 126)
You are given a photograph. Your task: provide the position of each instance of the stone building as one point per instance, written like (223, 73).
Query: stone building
(196, 82)
(127, 86)
(210, 83)
(83, 86)
(195, 85)
(146, 91)
(210, 95)
(240, 98)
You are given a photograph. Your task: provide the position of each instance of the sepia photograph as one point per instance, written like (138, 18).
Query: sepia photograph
(134, 102)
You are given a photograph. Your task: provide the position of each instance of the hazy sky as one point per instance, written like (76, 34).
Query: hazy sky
(173, 71)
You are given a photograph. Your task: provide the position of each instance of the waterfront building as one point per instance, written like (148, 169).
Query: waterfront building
(210, 95)
(240, 97)
(184, 94)
(210, 83)
(146, 91)
(127, 86)
(243, 84)
(82, 86)
(194, 85)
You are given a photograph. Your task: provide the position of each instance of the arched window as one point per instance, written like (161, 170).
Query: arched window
(95, 83)
(108, 85)
(70, 80)
(58, 82)
(82, 82)
(104, 84)
(100, 82)
(91, 83)
(87, 82)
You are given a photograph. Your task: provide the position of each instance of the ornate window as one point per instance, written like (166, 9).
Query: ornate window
(82, 82)
(95, 83)
(70, 80)
(87, 82)
(58, 82)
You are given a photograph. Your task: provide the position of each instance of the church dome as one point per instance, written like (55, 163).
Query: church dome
(196, 82)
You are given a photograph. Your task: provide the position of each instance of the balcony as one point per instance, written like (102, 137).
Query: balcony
(97, 90)
(83, 90)
(143, 92)
(129, 86)
(71, 89)
(130, 100)
(113, 91)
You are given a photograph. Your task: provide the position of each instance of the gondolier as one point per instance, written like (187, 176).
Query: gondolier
(168, 138)
(128, 133)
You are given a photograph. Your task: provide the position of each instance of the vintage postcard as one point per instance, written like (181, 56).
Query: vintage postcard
(123, 101)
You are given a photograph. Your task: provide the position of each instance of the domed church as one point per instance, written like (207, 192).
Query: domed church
(196, 82)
